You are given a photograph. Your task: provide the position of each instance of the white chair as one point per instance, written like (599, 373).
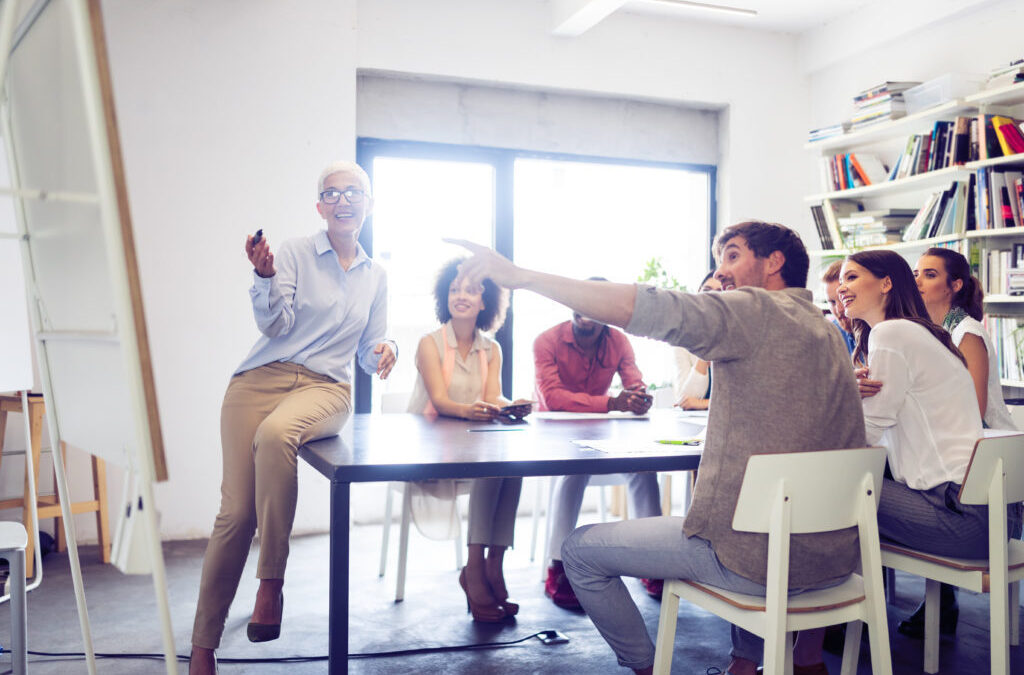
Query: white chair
(995, 476)
(398, 403)
(797, 493)
(13, 540)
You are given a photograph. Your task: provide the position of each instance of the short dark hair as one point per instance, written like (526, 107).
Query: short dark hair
(766, 238)
(495, 298)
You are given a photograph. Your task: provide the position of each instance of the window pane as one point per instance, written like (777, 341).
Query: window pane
(416, 203)
(583, 219)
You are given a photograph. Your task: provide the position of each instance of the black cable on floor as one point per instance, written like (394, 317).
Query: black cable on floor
(300, 659)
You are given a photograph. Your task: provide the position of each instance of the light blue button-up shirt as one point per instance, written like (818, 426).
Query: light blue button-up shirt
(314, 313)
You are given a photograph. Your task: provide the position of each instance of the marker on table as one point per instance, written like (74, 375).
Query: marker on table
(672, 442)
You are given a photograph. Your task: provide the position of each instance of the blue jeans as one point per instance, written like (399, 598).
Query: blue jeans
(595, 558)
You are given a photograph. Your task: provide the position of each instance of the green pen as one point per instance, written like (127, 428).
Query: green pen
(670, 442)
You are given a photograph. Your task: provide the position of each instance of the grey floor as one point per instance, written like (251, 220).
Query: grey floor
(123, 616)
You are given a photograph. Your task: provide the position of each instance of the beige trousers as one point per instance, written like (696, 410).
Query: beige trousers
(267, 415)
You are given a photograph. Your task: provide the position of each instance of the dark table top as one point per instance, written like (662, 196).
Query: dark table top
(378, 447)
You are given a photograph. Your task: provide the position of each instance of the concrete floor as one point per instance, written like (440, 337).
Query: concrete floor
(123, 617)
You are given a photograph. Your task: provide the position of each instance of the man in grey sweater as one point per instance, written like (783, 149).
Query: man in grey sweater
(782, 383)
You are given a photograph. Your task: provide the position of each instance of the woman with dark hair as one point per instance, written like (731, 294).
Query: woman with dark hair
(925, 414)
(954, 301)
(693, 375)
(460, 376)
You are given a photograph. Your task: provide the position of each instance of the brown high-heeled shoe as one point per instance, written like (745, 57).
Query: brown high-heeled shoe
(485, 612)
(501, 595)
(265, 632)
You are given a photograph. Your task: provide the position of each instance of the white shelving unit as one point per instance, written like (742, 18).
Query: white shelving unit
(887, 139)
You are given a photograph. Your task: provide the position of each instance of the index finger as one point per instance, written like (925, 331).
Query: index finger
(470, 246)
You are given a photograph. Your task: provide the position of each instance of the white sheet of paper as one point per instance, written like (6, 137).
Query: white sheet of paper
(573, 416)
(634, 446)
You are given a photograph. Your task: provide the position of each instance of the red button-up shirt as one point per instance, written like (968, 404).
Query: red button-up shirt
(567, 379)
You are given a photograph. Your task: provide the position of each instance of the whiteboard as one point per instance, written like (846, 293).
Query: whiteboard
(66, 172)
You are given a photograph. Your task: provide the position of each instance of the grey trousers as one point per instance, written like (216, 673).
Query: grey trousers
(597, 556)
(934, 520)
(492, 510)
(644, 502)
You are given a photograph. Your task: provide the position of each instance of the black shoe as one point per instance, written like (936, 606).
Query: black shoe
(913, 626)
(835, 638)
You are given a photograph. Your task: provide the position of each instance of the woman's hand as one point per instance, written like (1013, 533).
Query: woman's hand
(693, 403)
(260, 256)
(868, 388)
(481, 411)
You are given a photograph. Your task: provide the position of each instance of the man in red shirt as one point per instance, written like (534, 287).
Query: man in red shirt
(575, 362)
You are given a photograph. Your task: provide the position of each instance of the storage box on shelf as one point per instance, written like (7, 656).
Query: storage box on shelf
(959, 195)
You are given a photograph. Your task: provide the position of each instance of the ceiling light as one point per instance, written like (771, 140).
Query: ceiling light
(709, 6)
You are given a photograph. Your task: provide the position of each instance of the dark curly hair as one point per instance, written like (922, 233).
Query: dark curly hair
(766, 238)
(495, 299)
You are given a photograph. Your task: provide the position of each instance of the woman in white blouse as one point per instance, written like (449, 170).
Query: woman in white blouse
(693, 375)
(460, 376)
(926, 413)
(954, 301)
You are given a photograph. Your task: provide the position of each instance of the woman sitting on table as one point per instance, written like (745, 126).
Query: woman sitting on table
(693, 375)
(925, 414)
(320, 302)
(460, 376)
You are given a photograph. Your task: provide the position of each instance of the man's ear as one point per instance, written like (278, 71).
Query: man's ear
(776, 261)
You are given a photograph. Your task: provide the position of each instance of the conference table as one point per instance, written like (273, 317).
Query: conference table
(388, 447)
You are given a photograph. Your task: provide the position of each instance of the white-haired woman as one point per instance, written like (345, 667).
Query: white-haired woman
(320, 302)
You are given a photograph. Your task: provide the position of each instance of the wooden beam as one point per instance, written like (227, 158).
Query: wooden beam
(575, 17)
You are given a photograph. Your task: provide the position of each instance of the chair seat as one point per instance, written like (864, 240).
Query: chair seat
(911, 560)
(850, 592)
(12, 536)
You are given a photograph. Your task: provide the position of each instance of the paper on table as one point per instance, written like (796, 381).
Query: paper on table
(572, 416)
(633, 446)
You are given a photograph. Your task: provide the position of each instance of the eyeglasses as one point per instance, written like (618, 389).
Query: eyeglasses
(333, 195)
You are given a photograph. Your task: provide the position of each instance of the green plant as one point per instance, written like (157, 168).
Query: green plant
(655, 274)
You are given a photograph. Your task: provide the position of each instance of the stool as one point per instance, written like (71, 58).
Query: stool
(13, 539)
(48, 506)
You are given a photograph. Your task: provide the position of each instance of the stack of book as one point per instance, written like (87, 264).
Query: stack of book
(828, 132)
(879, 103)
(826, 220)
(875, 228)
(1008, 339)
(1004, 76)
(998, 198)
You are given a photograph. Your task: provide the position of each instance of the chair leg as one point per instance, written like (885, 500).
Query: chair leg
(999, 612)
(851, 648)
(19, 614)
(535, 517)
(604, 506)
(666, 494)
(99, 484)
(547, 529)
(775, 650)
(1015, 614)
(665, 643)
(403, 543)
(385, 531)
(931, 626)
(458, 537)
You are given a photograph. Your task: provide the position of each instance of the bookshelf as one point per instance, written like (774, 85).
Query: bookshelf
(887, 141)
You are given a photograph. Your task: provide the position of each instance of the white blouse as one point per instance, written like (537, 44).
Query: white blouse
(926, 413)
(997, 416)
(688, 381)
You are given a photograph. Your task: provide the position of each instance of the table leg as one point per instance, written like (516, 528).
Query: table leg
(338, 584)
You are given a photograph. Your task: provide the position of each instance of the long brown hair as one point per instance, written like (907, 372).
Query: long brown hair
(903, 301)
(970, 296)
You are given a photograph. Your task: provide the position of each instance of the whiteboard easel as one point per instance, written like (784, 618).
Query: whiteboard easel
(81, 275)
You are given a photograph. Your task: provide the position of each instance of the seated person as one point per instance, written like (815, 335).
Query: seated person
(575, 362)
(830, 282)
(693, 375)
(765, 334)
(926, 412)
(460, 376)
